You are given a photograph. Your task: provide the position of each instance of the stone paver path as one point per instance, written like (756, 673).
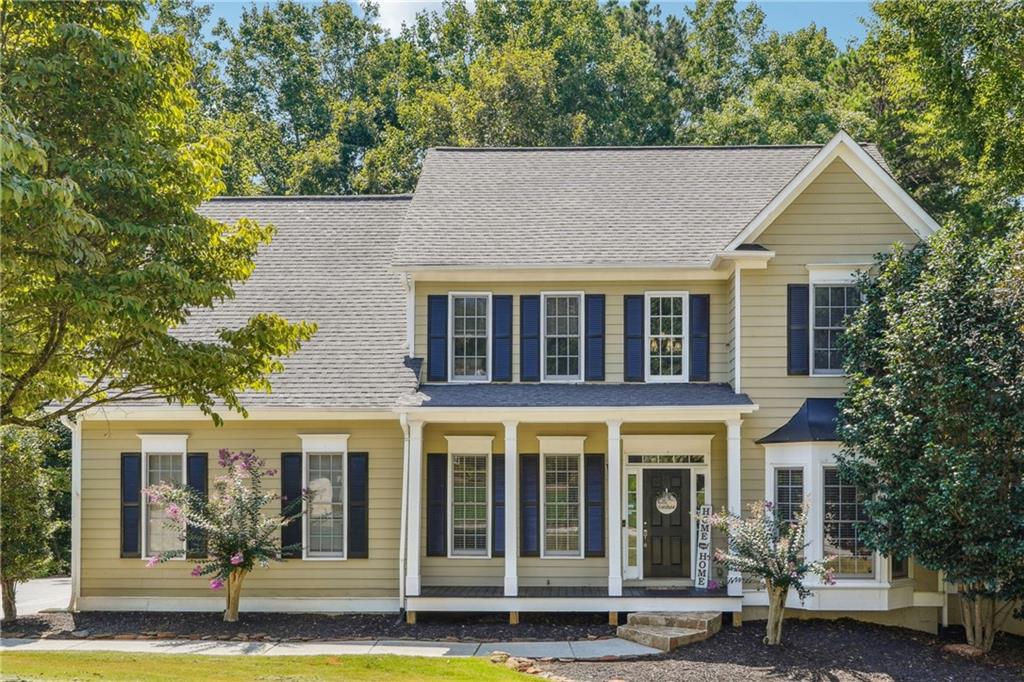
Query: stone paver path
(588, 649)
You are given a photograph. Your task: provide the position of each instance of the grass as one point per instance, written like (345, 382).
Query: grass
(71, 665)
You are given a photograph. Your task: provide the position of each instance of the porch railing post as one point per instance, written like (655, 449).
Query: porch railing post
(412, 573)
(614, 508)
(511, 509)
(735, 502)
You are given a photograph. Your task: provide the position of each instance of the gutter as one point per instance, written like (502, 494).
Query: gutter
(75, 426)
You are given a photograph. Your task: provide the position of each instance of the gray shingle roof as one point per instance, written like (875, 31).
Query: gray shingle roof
(329, 264)
(580, 395)
(583, 206)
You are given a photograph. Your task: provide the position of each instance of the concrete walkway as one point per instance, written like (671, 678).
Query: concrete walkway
(586, 649)
(34, 596)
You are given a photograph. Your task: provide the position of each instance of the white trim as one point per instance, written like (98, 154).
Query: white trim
(580, 335)
(468, 446)
(247, 604)
(579, 414)
(667, 445)
(452, 295)
(410, 316)
(734, 489)
(332, 444)
(737, 341)
(562, 446)
(836, 273)
(511, 508)
(119, 413)
(842, 146)
(615, 528)
(574, 604)
(160, 444)
(685, 377)
(415, 510)
(75, 426)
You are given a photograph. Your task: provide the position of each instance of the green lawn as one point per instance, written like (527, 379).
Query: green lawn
(173, 668)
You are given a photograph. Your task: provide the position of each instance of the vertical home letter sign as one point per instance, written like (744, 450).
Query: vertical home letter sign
(703, 547)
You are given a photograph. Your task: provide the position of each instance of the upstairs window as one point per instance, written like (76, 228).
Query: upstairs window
(470, 334)
(562, 331)
(832, 303)
(666, 336)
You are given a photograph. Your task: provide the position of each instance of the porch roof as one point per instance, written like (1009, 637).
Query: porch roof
(581, 395)
(814, 421)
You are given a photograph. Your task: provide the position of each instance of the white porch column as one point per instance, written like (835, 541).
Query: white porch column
(511, 509)
(614, 508)
(412, 572)
(735, 502)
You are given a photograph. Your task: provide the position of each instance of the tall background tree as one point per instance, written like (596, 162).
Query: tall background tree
(104, 250)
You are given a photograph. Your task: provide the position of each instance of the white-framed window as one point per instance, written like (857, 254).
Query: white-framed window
(830, 306)
(789, 492)
(163, 461)
(469, 336)
(843, 515)
(325, 476)
(666, 319)
(469, 496)
(562, 330)
(561, 496)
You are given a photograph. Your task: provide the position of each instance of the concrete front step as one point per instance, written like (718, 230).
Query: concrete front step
(697, 620)
(661, 636)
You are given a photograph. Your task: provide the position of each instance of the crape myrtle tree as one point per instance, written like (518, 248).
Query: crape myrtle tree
(232, 524)
(767, 548)
(932, 423)
(25, 510)
(104, 252)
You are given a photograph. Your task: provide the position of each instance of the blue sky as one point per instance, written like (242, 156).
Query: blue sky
(840, 17)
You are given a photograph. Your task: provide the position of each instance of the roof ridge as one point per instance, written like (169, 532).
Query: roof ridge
(315, 197)
(713, 147)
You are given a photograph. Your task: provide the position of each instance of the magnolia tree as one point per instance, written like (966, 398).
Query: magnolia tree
(765, 547)
(238, 533)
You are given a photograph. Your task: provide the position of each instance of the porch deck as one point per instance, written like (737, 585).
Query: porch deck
(572, 599)
(570, 592)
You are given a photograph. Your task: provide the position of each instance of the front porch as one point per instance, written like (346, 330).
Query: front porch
(627, 482)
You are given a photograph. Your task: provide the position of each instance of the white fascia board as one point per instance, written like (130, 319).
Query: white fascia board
(592, 415)
(171, 413)
(842, 146)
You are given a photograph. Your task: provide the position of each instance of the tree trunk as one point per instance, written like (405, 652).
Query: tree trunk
(981, 620)
(235, 579)
(776, 611)
(10, 605)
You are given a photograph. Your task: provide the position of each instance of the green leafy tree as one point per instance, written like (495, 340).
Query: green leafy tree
(933, 421)
(237, 532)
(25, 510)
(104, 250)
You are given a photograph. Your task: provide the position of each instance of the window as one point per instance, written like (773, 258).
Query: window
(843, 515)
(163, 467)
(469, 505)
(325, 528)
(831, 305)
(899, 568)
(666, 337)
(324, 472)
(562, 331)
(470, 332)
(563, 510)
(789, 493)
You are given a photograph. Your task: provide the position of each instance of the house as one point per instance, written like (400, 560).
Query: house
(529, 378)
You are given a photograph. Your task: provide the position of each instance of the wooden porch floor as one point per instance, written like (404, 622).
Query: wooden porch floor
(568, 592)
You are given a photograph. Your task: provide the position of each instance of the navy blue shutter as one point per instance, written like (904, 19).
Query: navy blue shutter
(291, 490)
(593, 495)
(195, 538)
(358, 505)
(501, 365)
(437, 338)
(498, 505)
(595, 337)
(634, 344)
(437, 505)
(700, 337)
(797, 318)
(131, 508)
(529, 338)
(529, 505)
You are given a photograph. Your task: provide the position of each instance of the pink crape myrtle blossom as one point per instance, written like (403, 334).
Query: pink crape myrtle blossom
(230, 527)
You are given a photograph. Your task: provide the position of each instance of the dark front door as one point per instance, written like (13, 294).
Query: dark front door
(666, 523)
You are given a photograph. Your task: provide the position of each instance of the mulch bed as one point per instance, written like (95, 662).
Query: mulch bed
(310, 627)
(832, 651)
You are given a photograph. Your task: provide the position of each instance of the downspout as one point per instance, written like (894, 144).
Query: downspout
(75, 426)
(738, 325)
(402, 540)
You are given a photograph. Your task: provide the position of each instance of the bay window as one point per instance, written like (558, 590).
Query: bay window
(843, 516)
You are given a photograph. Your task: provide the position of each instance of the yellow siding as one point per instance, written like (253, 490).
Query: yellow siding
(614, 333)
(104, 573)
(836, 219)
